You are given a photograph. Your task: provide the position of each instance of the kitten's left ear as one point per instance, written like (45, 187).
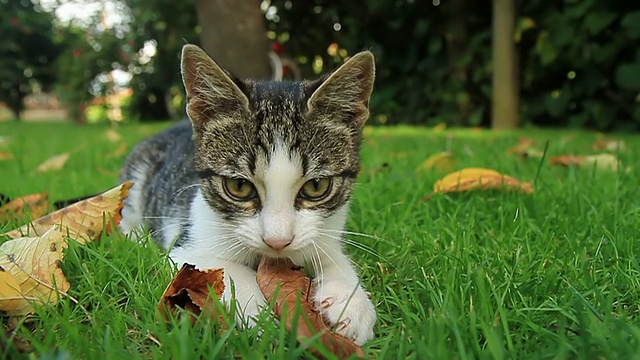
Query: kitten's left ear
(211, 91)
(345, 94)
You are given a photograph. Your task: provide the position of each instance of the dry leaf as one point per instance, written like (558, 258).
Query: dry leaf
(442, 162)
(600, 161)
(478, 179)
(34, 205)
(609, 145)
(112, 135)
(526, 148)
(54, 163)
(10, 298)
(190, 289)
(33, 265)
(5, 155)
(288, 284)
(85, 217)
(120, 151)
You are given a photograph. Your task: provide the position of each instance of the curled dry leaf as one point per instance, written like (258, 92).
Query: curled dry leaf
(54, 163)
(601, 161)
(34, 205)
(191, 289)
(292, 290)
(85, 218)
(442, 162)
(30, 271)
(478, 179)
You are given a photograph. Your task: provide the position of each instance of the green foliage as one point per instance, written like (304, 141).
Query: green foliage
(578, 59)
(27, 51)
(584, 67)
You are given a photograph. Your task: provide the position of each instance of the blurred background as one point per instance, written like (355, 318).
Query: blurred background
(501, 64)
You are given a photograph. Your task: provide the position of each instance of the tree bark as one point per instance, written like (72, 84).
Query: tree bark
(234, 35)
(506, 96)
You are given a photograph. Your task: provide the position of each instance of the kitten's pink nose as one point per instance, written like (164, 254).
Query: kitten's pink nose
(277, 243)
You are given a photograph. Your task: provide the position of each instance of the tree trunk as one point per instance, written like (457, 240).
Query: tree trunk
(506, 96)
(234, 35)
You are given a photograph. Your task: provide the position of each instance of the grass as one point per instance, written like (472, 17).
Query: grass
(479, 275)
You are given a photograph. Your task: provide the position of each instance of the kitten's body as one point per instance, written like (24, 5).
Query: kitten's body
(263, 169)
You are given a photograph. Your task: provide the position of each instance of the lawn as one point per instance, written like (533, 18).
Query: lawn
(489, 274)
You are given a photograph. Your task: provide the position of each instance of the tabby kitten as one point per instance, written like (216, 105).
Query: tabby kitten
(263, 169)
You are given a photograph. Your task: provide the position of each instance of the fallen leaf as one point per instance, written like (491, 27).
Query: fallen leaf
(526, 148)
(54, 163)
(120, 151)
(191, 289)
(10, 297)
(292, 289)
(112, 135)
(85, 217)
(609, 145)
(442, 162)
(479, 179)
(5, 155)
(34, 205)
(32, 263)
(601, 161)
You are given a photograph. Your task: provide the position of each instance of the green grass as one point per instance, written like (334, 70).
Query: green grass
(479, 275)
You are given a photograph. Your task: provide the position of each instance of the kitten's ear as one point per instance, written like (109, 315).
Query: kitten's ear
(345, 94)
(211, 91)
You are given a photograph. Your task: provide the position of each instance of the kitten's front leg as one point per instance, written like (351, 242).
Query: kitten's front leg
(341, 298)
(241, 280)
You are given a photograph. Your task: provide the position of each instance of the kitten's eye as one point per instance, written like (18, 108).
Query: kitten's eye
(239, 189)
(315, 189)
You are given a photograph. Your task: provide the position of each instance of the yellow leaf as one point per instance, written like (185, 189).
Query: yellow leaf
(33, 263)
(84, 218)
(479, 178)
(53, 163)
(442, 162)
(10, 297)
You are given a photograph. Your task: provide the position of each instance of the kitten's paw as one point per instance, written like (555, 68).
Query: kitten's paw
(350, 313)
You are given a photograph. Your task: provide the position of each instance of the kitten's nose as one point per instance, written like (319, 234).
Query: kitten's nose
(277, 243)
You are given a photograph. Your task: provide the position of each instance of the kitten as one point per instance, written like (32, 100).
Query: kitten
(263, 169)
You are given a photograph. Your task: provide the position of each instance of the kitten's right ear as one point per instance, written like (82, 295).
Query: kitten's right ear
(211, 91)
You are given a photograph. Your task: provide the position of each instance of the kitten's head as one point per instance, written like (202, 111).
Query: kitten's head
(278, 160)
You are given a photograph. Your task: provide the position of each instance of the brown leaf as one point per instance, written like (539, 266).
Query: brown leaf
(84, 218)
(5, 155)
(54, 163)
(190, 289)
(601, 161)
(478, 179)
(32, 264)
(34, 205)
(292, 291)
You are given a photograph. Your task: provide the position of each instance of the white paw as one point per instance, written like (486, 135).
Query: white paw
(350, 313)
